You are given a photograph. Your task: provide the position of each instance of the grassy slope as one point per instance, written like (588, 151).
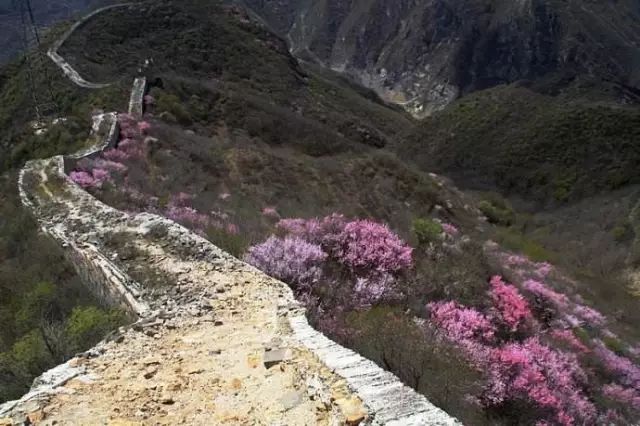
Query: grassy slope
(533, 145)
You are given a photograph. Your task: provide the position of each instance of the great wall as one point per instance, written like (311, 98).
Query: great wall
(224, 344)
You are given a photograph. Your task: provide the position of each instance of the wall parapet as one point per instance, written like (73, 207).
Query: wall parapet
(62, 63)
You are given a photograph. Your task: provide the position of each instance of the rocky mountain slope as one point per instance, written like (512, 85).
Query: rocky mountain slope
(424, 54)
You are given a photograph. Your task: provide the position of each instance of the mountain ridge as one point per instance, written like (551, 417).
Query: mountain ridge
(424, 55)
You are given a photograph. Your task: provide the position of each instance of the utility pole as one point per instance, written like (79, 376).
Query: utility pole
(42, 98)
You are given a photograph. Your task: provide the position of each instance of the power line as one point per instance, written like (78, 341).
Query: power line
(44, 104)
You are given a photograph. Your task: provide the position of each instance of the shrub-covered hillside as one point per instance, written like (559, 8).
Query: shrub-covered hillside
(46, 312)
(535, 145)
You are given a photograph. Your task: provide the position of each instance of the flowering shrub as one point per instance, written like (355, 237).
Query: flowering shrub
(128, 126)
(94, 179)
(622, 395)
(84, 179)
(533, 372)
(545, 297)
(589, 315)
(543, 269)
(144, 127)
(289, 259)
(270, 212)
(465, 326)
(623, 369)
(115, 155)
(569, 339)
(325, 231)
(373, 289)
(509, 304)
(363, 258)
(450, 230)
(368, 247)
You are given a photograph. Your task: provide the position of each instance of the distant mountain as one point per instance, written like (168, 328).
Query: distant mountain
(46, 12)
(424, 54)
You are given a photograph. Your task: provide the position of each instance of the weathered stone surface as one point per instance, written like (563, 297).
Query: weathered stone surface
(136, 102)
(275, 357)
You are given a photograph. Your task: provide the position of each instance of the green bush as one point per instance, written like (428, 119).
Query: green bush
(497, 214)
(427, 230)
(169, 103)
(514, 240)
(614, 344)
(88, 325)
(582, 335)
(622, 232)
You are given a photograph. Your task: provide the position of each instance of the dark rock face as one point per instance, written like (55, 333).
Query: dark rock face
(425, 53)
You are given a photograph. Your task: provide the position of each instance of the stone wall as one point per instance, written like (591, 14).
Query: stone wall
(66, 68)
(136, 101)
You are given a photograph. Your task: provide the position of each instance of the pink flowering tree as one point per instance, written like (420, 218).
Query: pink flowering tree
(467, 327)
(290, 259)
(622, 369)
(367, 248)
(364, 258)
(509, 305)
(550, 380)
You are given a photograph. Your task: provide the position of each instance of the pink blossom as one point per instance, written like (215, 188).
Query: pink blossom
(622, 368)
(101, 175)
(543, 269)
(83, 179)
(461, 325)
(111, 166)
(270, 212)
(373, 289)
(589, 315)
(622, 395)
(545, 296)
(509, 304)
(188, 216)
(326, 231)
(549, 379)
(93, 179)
(450, 230)
(291, 260)
(232, 229)
(517, 259)
(144, 127)
(115, 155)
(367, 247)
(568, 338)
(149, 100)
